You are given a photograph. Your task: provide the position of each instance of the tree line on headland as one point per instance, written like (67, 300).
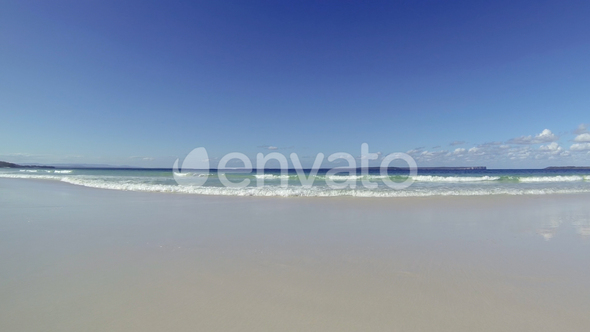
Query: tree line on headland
(4, 164)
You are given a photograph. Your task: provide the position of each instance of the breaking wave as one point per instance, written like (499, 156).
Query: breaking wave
(65, 171)
(557, 178)
(185, 174)
(148, 184)
(275, 177)
(432, 178)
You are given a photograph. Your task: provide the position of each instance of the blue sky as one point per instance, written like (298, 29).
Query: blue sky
(143, 82)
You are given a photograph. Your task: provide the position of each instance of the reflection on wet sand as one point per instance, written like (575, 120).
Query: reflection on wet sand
(581, 225)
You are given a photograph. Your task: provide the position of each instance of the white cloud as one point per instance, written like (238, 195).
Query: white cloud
(585, 137)
(546, 136)
(519, 153)
(540, 150)
(582, 129)
(366, 157)
(552, 148)
(142, 158)
(456, 143)
(430, 155)
(268, 147)
(490, 144)
(415, 151)
(521, 140)
(580, 147)
(459, 151)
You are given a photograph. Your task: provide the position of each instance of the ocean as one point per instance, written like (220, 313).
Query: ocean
(426, 183)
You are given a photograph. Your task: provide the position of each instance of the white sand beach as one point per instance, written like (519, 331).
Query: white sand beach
(82, 259)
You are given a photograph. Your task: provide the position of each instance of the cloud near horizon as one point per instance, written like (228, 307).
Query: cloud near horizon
(546, 136)
(585, 137)
(455, 143)
(582, 129)
(541, 148)
(580, 147)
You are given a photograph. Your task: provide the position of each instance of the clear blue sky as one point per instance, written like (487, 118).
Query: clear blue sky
(144, 82)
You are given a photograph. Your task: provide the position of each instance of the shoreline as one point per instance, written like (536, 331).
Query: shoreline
(361, 196)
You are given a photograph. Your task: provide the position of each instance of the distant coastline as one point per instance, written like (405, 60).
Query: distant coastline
(462, 168)
(567, 167)
(4, 164)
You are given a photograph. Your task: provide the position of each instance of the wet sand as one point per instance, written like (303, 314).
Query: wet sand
(81, 259)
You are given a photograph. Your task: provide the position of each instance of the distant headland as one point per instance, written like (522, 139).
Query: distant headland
(567, 167)
(467, 168)
(4, 164)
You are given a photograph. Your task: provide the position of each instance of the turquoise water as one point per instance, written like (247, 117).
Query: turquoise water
(426, 183)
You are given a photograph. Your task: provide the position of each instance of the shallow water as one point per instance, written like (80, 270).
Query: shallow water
(275, 183)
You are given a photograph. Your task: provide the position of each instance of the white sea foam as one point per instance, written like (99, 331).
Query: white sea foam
(188, 174)
(320, 177)
(432, 178)
(354, 177)
(421, 178)
(148, 184)
(343, 177)
(65, 171)
(274, 176)
(557, 178)
(30, 176)
(316, 192)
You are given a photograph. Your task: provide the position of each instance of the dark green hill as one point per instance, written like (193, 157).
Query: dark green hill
(4, 164)
(9, 165)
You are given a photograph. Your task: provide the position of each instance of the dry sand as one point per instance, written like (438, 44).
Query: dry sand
(81, 259)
